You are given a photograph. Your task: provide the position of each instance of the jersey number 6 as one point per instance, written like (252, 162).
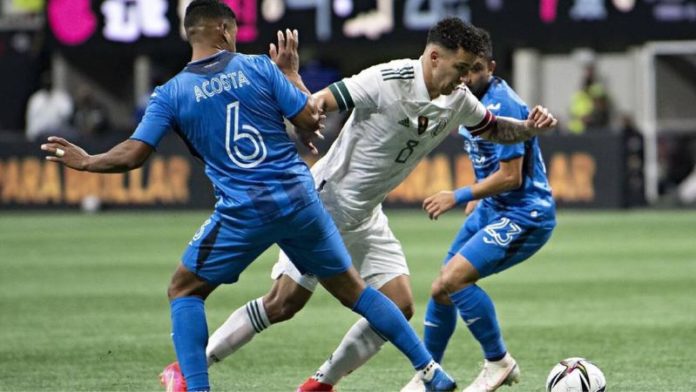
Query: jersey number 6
(248, 132)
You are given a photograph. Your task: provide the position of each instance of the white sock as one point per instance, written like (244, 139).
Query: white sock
(358, 345)
(237, 331)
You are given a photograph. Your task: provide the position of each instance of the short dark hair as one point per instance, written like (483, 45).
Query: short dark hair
(200, 10)
(453, 33)
(487, 44)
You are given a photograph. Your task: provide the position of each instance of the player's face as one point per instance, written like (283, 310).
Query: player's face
(451, 69)
(478, 76)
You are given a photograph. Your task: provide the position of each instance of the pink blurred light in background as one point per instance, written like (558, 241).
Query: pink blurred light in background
(72, 21)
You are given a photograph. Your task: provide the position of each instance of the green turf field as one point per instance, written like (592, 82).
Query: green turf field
(83, 305)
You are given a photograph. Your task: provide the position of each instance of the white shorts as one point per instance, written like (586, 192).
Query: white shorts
(376, 254)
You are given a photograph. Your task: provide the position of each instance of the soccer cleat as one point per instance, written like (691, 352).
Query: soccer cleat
(495, 374)
(440, 382)
(312, 385)
(415, 385)
(172, 378)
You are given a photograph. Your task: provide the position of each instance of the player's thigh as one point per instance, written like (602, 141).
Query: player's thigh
(285, 267)
(472, 225)
(524, 248)
(375, 251)
(313, 244)
(220, 250)
(503, 244)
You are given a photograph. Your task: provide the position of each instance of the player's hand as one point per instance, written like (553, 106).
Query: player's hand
(540, 118)
(470, 207)
(64, 152)
(307, 137)
(285, 55)
(439, 203)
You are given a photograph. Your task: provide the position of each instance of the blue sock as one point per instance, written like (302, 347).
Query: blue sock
(190, 336)
(388, 320)
(440, 322)
(478, 313)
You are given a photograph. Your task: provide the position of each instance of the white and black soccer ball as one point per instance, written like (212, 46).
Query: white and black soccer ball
(576, 375)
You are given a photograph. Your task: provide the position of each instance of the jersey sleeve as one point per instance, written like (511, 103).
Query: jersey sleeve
(477, 119)
(290, 98)
(514, 110)
(358, 91)
(158, 119)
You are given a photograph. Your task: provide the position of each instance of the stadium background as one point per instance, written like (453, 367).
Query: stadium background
(81, 295)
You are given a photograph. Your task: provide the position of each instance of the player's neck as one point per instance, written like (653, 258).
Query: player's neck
(427, 78)
(200, 51)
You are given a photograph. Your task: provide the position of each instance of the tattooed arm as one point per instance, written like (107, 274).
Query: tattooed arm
(507, 130)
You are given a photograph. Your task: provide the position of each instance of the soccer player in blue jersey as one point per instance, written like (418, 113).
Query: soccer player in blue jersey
(229, 108)
(512, 221)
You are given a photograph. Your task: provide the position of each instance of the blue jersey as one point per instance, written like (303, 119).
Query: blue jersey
(531, 203)
(229, 110)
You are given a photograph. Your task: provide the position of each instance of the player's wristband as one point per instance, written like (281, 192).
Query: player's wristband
(463, 195)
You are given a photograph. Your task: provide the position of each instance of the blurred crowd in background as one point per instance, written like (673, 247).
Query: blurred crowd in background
(91, 88)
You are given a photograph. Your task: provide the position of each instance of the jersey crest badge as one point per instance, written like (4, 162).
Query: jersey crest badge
(440, 126)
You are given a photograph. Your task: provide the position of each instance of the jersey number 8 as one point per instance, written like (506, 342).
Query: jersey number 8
(248, 132)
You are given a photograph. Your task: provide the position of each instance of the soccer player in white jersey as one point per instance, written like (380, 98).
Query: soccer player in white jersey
(401, 111)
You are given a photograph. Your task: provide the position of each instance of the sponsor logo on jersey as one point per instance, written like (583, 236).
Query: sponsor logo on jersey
(405, 123)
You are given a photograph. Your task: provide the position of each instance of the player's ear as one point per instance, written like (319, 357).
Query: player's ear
(229, 31)
(491, 66)
(434, 56)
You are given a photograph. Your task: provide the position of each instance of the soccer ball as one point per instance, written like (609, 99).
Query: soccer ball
(576, 375)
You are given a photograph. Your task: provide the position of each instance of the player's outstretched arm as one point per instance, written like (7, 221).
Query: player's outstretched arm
(508, 130)
(125, 156)
(506, 178)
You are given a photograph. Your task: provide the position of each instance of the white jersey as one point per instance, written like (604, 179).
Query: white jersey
(394, 124)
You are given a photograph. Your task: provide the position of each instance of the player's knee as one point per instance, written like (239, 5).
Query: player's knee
(438, 293)
(172, 291)
(451, 283)
(346, 301)
(176, 290)
(407, 310)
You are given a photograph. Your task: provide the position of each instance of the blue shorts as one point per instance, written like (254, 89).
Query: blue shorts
(494, 243)
(220, 250)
